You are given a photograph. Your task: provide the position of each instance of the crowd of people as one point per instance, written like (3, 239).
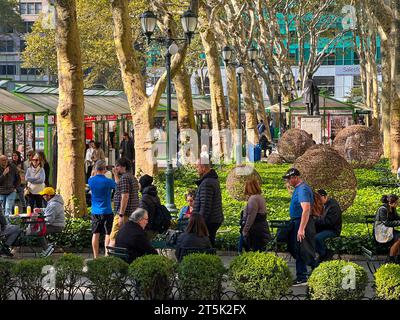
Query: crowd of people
(129, 223)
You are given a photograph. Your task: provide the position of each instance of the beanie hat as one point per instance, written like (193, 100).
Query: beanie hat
(145, 181)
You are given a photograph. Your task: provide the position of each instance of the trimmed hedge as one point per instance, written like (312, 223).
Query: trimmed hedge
(7, 282)
(107, 277)
(153, 275)
(337, 280)
(69, 273)
(31, 275)
(387, 281)
(200, 277)
(260, 276)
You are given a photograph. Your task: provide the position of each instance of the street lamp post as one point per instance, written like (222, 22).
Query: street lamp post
(189, 23)
(227, 53)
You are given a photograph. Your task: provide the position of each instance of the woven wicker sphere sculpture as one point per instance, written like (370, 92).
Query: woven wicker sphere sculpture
(361, 146)
(236, 180)
(275, 158)
(324, 168)
(293, 144)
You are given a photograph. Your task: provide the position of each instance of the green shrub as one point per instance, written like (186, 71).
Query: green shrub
(337, 280)
(107, 277)
(69, 273)
(260, 276)
(153, 275)
(32, 277)
(6, 279)
(200, 277)
(77, 237)
(387, 280)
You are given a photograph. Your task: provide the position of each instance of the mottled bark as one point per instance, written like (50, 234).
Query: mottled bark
(185, 101)
(218, 108)
(70, 110)
(143, 108)
(386, 93)
(251, 118)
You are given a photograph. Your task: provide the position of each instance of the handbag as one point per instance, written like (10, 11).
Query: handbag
(383, 234)
(172, 237)
(283, 232)
(27, 192)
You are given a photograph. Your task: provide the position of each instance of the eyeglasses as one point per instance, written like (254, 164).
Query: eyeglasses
(35, 159)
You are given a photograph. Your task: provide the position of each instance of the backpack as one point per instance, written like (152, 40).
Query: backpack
(317, 207)
(162, 219)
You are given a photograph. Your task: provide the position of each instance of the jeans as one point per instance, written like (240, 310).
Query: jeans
(21, 196)
(8, 201)
(301, 266)
(11, 233)
(320, 238)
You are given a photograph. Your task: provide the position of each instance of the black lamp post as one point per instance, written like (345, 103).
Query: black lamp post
(189, 24)
(227, 53)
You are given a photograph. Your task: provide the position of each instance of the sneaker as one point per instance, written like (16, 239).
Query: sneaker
(47, 252)
(6, 252)
(297, 282)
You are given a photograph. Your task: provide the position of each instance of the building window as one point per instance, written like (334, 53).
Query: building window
(28, 26)
(7, 46)
(356, 58)
(29, 71)
(38, 8)
(8, 70)
(357, 81)
(326, 84)
(330, 59)
(22, 8)
(22, 45)
(30, 8)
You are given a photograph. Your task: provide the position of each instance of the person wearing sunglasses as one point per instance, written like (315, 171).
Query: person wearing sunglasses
(35, 177)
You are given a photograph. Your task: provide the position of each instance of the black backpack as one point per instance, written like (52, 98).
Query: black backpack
(161, 220)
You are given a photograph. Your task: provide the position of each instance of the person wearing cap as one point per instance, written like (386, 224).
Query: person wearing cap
(149, 201)
(54, 217)
(329, 225)
(102, 213)
(301, 242)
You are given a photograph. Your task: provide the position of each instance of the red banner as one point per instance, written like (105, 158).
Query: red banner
(111, 118)
(90, 118)
(14, 117)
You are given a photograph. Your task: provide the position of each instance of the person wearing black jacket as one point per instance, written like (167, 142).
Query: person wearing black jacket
(149, 201)
(329, 225)
(133, 237)
(195, 237)
(387, 215)
(208, 201)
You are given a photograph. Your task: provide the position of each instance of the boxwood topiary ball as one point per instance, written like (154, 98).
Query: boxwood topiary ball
(275, 158)
(337, 280)
(293, 143)
(236, 180)
(323, 168)
(361, 146)
(387, 280)
(260, 276)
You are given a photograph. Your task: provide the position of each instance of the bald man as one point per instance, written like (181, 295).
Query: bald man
(9, 181)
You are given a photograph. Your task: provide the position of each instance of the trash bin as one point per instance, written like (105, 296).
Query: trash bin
(254, 152)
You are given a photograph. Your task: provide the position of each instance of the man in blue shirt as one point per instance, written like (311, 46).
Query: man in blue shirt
(302, 238)
(102, 213)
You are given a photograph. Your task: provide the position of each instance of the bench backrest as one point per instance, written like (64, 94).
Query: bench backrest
(118, 252)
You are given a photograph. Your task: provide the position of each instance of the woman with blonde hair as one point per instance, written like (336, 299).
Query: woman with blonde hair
(254, 226)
